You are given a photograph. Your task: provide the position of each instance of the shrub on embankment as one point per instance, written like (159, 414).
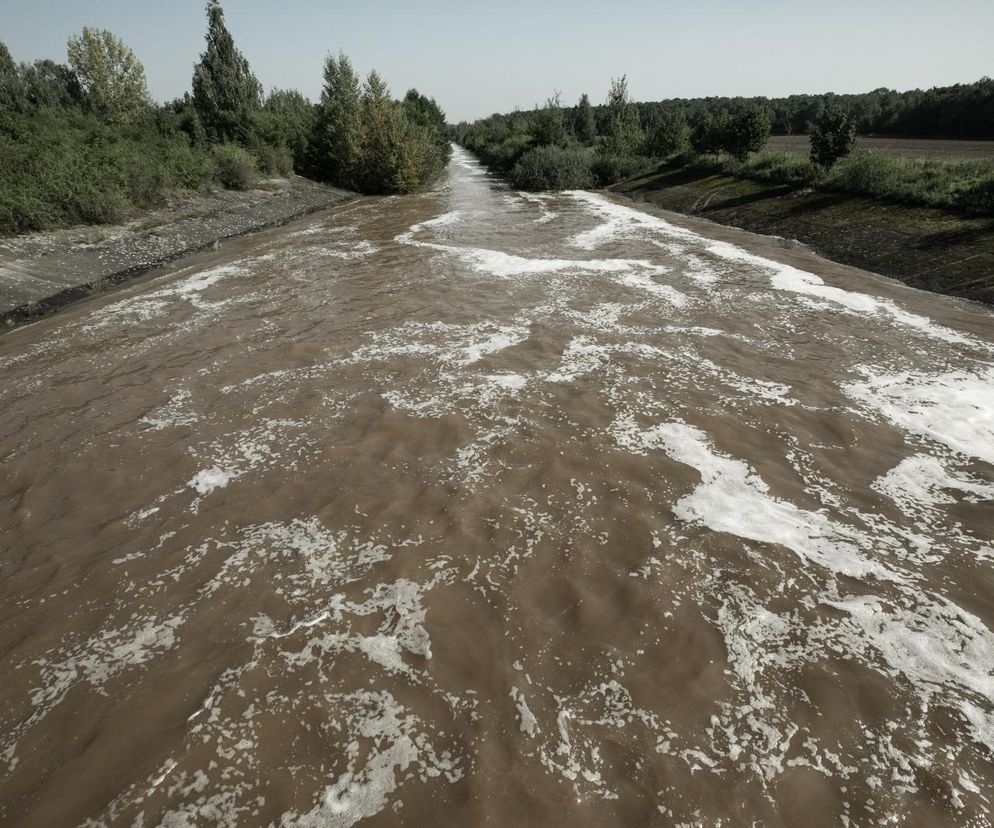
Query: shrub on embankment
(553, 168)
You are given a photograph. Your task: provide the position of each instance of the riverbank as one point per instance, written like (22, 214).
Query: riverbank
(923, 247)
(42, 272)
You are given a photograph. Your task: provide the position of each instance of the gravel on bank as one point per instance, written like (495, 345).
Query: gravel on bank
(41, 272)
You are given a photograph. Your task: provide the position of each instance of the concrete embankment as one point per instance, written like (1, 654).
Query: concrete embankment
(922, 247)
(42, 272)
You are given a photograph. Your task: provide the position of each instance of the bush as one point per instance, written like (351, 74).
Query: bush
(234, 167)
(780, 167)
(274, 160)
(553, 168)
(609, 168)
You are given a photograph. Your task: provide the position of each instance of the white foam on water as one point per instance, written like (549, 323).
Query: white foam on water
(526, 719)
(505, 265)
(643, 282)
(954, 408)
(541, 201)
(395, 745)
(944, 651)
(732, 498)
(504, 337)
(147, 306)
(922, 481)
(622, 222)
(173, 413)
(206, 481)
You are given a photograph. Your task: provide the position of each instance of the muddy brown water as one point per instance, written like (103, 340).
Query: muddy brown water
(476, 508)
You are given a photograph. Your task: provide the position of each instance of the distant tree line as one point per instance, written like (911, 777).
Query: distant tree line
(82, 141)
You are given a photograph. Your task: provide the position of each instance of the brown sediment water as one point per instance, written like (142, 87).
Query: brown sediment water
(472, 507)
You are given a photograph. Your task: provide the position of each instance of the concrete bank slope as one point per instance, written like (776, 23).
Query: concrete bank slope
(42, 272)
(922, 247)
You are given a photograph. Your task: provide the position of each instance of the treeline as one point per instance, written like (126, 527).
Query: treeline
(959, 111)
(82, 141)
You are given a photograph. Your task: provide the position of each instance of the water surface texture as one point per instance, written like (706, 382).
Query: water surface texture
(474, 507)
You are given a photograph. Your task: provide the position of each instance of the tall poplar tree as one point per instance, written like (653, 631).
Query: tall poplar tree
(225, 92)
(337, 143)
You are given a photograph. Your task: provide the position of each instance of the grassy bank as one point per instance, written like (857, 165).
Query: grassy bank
(965, 186)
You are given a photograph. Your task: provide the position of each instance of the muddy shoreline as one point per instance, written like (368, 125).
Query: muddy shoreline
(922, 247)
(41, 273)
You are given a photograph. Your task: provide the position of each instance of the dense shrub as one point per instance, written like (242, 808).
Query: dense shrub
(234, 167)
(609, 168)
(273, 160)
(553, 168)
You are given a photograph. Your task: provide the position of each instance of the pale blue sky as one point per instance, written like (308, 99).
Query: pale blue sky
(480, 58)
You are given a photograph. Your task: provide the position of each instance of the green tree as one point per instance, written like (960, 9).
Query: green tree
(423, 110)
(624, 134)
(288, 122)
(833, 136)
(225, 92)
(584, 124)
(382, 126)
(548, 124)
(50, 84)
(708, 131)
(668, 134)
(746, 133)
(336, 144)
(12, 95)
(110, 77)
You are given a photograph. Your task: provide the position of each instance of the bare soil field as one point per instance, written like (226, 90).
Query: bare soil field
(906, 147)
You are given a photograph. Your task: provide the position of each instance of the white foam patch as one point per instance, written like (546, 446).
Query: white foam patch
(395, 745)
(526, 719)
(147, 306)
(505, 337)
(954, 408)
(643, 282)
(505, 265)
(922, 481)
(546, 215)
(206, 481)
(734, 499)
(173, 413)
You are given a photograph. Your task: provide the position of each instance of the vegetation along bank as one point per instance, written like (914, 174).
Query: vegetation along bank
(81, 142)
(926, 220)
